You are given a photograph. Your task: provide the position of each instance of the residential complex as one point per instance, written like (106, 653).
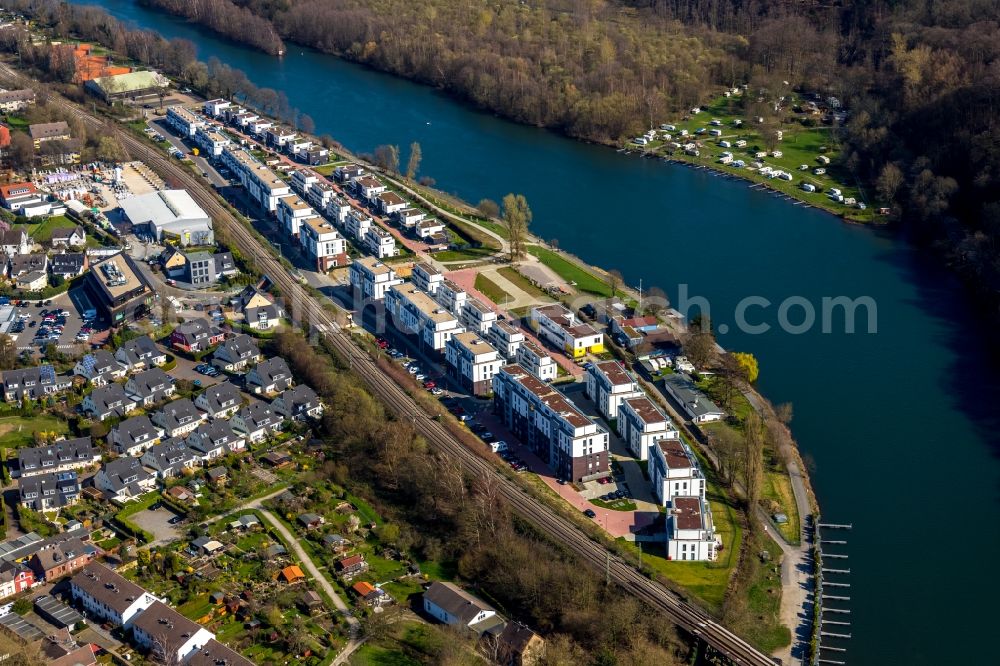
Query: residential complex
(558, 326)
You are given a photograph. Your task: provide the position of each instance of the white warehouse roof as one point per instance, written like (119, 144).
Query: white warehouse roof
(173, 212)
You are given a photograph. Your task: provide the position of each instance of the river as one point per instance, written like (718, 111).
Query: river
(901, 425)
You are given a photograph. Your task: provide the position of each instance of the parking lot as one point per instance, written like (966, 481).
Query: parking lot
(31, 321)
(157, 522)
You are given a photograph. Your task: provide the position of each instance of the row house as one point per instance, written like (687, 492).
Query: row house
(472, 362)
(108, 596)
(49, 492)
(170, 458)
(415, 313)
(150, 387)
(134, 435)
(15, 577)
(215, 439)
(108, 401)
(196, 335)
(140, 354)
(270, 376)
(33, 383)
(607, 384)
(505, 338)
(641, 424)
(220, 401)
(178, 418)
(674, 471)
(124, 479)
(574, 446)
(258, 421)
(323, 244)
(236, 354)
(371, 278)
(262, 184)
(300, 403)
(62, 558)
(99, 368)
(168, 636)
(64, 456)
(558, 326)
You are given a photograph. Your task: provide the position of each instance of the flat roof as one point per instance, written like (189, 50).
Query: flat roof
(116, 276)
(320, 226)
(294, 202)
(674, 453)
(688, 514)
(427, 305)
(614, 372)
(474, 343)
(391, 198)
(373, 265)
(646, 410)
(162, 207)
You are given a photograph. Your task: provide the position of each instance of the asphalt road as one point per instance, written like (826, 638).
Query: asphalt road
(686, 615)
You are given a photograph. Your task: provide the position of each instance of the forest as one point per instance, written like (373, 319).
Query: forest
(920, 79)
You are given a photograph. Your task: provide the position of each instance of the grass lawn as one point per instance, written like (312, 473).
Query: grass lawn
(325, 169)
(376, 655)
(491, 290)
(410, 643)
(617, 505)
(777, 487)
(42, 231)
(468, 254)
(761, 624)
(18, 431)
(523, 283)
(197, 608)
(571, 272)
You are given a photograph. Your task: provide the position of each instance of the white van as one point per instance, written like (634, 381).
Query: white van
(498, 447)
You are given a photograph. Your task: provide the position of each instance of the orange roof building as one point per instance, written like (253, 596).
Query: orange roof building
(89, 66)
(292, 574)
(363, 589)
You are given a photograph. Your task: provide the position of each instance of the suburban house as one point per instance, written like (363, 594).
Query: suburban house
(124, 479)
(68, 265)
(15, 577)
(220, 401)
(33, 281)
(407, 218)
(140, 354)
(389, 203)
(64, 456)
(178, 418)
(299, 402)
(258, 421)
(269, 376)
(196, 335)
(259, 310)
(236, 353)
(49, 492)
(107, 401)
(108, 596)
(505, 338)
(149, 387)
(641, 424)
(350, 566)
(608, 383)
(451, 605)
(558, 326)
(62, 558)
(134, 435)
(428, 228)
(170, 458)
(674, 471)
(42, 132)
(33, 383)
(24, 265)
(99, 368)
(68, 237)
(215, 439)
(370, 595)
(695, 404)
(517, 645)
(371, 278)
(533, 358)
(472, 362)
(16, 100)
(690, 533)
(168, 635)
(573, 445)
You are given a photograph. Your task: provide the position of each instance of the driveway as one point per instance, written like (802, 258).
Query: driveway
(158, 524)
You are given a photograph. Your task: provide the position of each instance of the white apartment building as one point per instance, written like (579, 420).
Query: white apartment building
(302, 180)
(390, 202)
(505, 338)
(215, 107)
(211, 142)
(369, 187)
(476, 316)
(372, 278)
(184, 122)
(472, 362)
(323, 243)
(261, 183)
(451, 296)
(674, 471)
(641, 424)
(534, 359)
(292, 212)
(408, 217)
(574, 446)
(427, 278)
(607, 384)
(690, 532)
(558, 326)
(106, 595)
(337, 209)
(357, 223)
(380, 243)
(415, 313)
(320, 194)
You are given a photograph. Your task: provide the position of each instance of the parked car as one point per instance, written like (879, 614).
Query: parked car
(590, 513)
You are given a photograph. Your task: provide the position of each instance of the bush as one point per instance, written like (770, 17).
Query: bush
(22, 606)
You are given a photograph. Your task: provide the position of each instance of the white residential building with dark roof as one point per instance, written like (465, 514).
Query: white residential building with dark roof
(149, 387)
(258, 421)
(33, 383)
(108, 401)
(167, 635)
(690, 530)
(134, 435)
(472, 362)
(300, 403)
(219, 401)
(49, 492)
(674, 471)
(178, 418)
(108, 596)
(215, 439)
(124, 479)
(269, 376)
(140, 354)
(170, 458)
(99, 368)
(607, 384)
(696, 405)
(236, 354)
(69, 454)
(641, 424)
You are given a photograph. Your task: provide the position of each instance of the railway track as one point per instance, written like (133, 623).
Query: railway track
(687, 616)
